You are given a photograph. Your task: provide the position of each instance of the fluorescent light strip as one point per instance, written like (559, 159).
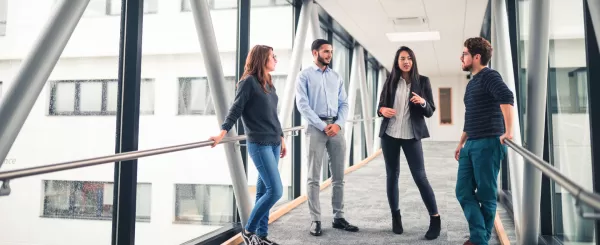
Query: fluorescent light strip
(413, 36)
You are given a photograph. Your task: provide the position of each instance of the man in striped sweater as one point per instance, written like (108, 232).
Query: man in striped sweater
(488, 111)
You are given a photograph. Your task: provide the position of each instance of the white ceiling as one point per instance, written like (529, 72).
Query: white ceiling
(369, 20)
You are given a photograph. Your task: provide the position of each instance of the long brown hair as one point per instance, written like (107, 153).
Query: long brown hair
(256, 64)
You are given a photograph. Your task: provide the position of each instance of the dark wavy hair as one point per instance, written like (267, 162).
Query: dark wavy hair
(396, 73)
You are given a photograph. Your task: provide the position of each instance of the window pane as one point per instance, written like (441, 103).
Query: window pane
(184, 113)
(64, 99)
(143, 201)
(88, 200)
(199, 93)
(445, 105)
(112, 96)
(341, 60)
(48, 208)
(570, 144)
(90, 97)
(147, 97)
(279, 35)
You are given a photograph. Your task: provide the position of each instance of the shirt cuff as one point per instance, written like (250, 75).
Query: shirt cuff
(424, 104)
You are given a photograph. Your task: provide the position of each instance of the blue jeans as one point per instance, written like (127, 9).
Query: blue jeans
(477, 185)
(268, 187)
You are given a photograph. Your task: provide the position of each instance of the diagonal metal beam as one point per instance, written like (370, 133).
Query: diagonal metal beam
(285, 115)
(216, 81)
(34, 73)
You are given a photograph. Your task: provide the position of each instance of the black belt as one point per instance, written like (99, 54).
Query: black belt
(328, 118)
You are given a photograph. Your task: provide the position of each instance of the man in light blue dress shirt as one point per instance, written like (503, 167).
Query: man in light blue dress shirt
(321, 99)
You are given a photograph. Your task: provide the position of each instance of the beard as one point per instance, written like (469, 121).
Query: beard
(322, 60)
(467, 68)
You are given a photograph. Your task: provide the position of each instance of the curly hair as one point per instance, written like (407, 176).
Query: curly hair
(480, 46)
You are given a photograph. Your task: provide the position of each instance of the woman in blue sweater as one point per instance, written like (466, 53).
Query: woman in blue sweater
(256, 103)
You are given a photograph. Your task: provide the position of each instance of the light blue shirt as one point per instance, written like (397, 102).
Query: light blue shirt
(321, 94)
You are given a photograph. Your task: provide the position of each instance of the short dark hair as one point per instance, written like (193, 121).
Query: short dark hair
(316, 45)
(480, 46)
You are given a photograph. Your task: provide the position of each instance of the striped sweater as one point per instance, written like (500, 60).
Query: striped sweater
(484, 94)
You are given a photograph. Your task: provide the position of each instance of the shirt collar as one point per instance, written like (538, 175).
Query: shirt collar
(317, 68)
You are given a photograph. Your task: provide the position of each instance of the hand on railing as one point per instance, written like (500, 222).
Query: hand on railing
(217, 138)
(283, 148)
(506, 135)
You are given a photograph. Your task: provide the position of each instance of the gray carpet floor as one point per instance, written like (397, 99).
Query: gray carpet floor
(366, 206)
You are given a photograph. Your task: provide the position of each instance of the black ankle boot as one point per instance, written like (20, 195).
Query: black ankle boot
(434, 228)
(397, 222)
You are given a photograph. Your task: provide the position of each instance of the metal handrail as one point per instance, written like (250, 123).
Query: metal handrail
(361, 119)
(579, 193)
(25, 172)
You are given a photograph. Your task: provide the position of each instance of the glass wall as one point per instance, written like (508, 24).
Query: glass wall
(198, 181)
(568, 115)
(278, 35)
(72, 118)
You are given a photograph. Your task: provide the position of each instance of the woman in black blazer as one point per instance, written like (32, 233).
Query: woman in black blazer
(405, 101)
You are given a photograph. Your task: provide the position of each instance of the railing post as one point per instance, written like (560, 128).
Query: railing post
(37, 67)
(537, 74)
(216, 81)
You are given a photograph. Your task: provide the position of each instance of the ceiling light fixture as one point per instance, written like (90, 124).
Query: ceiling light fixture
(413, 36)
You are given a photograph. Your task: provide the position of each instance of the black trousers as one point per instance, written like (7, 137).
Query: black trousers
(413, 151)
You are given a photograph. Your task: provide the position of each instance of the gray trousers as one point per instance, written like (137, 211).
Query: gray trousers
(318, 142)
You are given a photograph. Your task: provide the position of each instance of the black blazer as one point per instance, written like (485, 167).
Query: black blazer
(417, 112)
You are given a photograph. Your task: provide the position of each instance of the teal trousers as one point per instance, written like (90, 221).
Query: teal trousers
(477, 185)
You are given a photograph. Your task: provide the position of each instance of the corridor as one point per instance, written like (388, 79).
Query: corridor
(367, 207)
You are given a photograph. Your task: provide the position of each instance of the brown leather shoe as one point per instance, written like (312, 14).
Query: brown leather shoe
(468, 242)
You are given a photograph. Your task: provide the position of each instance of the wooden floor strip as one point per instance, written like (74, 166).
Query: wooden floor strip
(237, 239)
(500, 231)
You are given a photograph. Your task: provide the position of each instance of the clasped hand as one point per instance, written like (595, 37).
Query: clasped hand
(332, 129)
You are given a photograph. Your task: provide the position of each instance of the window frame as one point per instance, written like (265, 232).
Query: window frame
(79, 185)
(51, 109)
(183, 102)
(205, 217)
